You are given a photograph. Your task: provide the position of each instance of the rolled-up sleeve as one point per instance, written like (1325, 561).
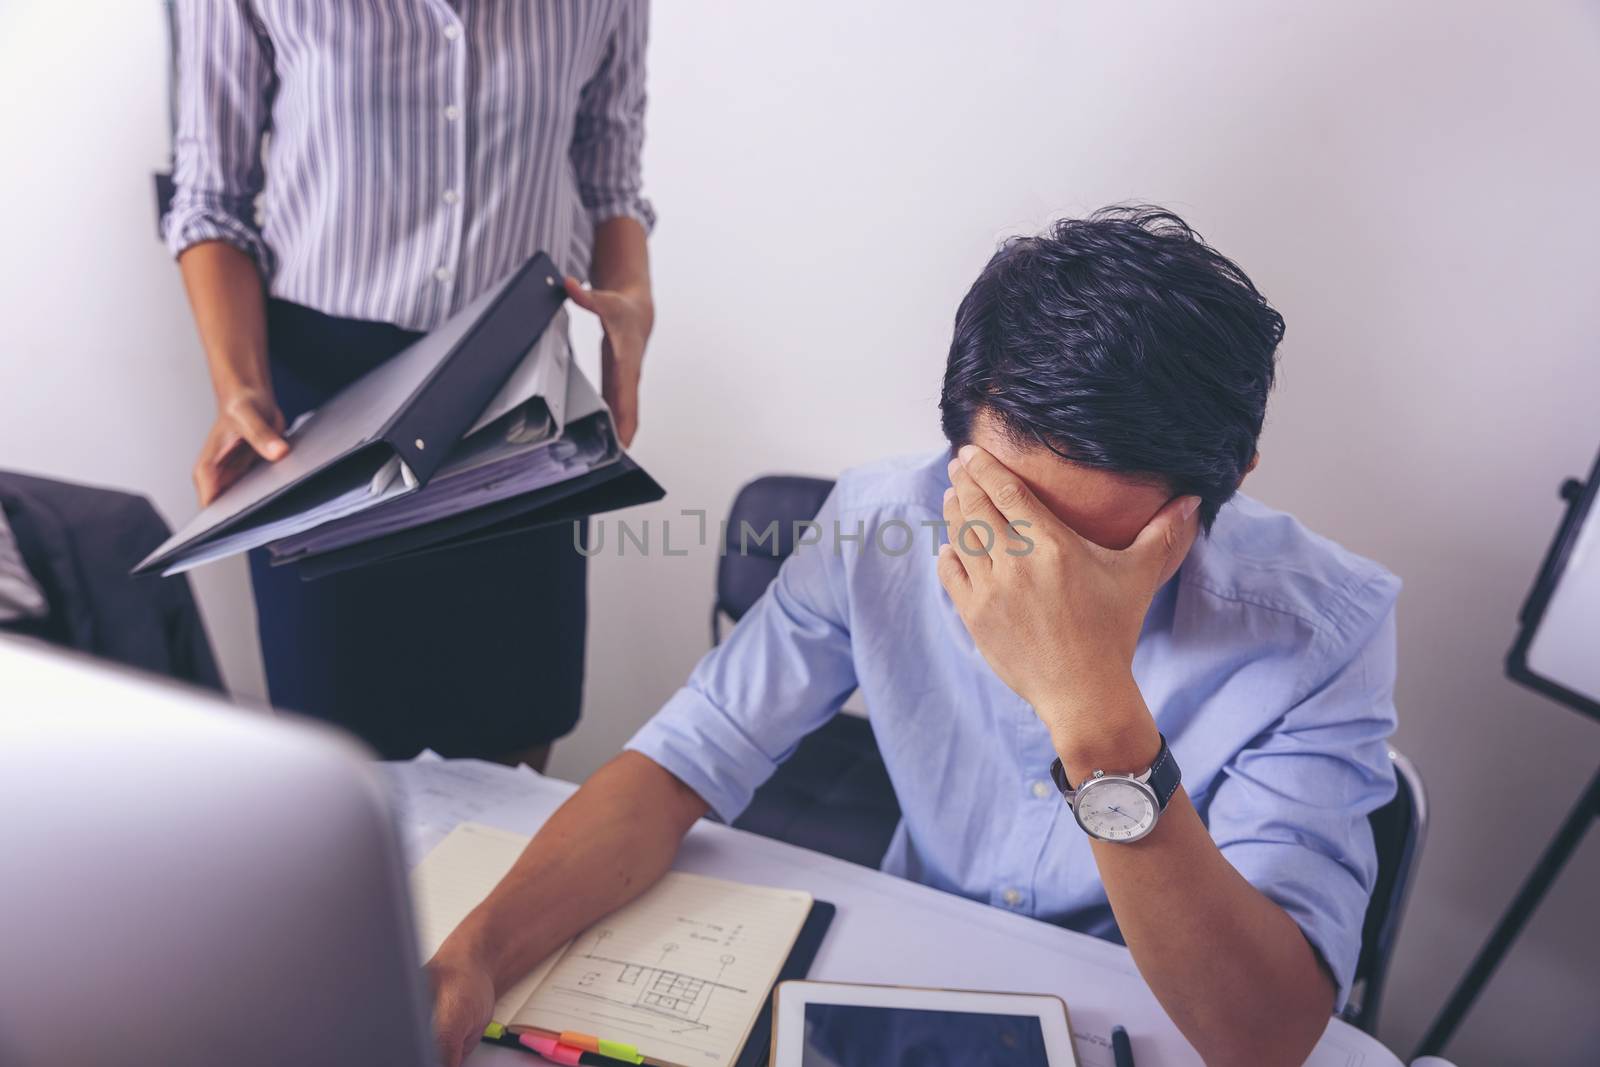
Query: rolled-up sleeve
(224, 105)
(784, 671)
(608, 137)
(1290, 811)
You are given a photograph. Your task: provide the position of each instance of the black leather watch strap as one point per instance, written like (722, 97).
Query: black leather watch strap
(1165, 777)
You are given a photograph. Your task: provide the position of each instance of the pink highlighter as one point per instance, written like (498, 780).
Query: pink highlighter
(551, 1049)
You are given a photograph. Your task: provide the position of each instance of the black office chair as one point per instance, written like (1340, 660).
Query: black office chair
(759, 536)
(834, 795)
(77, 543)
(1398, 829)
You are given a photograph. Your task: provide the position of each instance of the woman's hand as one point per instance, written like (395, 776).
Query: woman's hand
(230, 313)
(626, 316)
(463, 1001)
(248, 425)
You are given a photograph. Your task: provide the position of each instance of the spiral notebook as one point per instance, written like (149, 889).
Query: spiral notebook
(680, 977)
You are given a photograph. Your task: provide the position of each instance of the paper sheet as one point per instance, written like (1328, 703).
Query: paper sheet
(365, 491)
(541, 373)
(433, 796)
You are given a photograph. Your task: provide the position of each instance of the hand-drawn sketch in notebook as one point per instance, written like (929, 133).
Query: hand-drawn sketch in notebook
(680, 973)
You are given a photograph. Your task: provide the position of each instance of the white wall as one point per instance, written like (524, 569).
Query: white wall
(1412, 188)
(101, 379)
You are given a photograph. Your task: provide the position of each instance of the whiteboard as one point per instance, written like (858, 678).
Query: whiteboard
(1566, 647)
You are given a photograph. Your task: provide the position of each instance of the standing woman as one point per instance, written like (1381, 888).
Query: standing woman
(407, 154)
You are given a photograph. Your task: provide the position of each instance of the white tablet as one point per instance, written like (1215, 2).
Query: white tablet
(828, 1024)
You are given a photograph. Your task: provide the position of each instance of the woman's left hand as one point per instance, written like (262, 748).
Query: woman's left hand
(626, 316)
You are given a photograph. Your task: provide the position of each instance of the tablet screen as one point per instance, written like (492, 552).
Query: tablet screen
(861, 1035)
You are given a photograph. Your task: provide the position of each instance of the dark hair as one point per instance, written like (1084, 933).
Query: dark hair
(1121, 341)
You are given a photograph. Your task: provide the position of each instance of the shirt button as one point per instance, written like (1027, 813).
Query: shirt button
(1041, 789)
(452, 112)
(452, 197)
(444, 274)
(1012, 897)
(451, 32)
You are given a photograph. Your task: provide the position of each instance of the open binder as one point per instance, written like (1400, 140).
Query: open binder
(482, 428)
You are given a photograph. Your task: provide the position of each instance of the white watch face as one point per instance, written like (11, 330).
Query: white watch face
(1116, 809)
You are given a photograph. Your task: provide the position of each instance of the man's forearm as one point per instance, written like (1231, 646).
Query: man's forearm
(611, 841)
(1230, 967)
(229, 305)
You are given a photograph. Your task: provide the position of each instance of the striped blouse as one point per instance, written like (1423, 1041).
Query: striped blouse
(390, 159)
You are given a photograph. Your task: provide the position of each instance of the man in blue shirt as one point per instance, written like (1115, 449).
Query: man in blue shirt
(1071, 601)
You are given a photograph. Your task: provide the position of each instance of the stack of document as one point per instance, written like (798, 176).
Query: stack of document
(482, 428)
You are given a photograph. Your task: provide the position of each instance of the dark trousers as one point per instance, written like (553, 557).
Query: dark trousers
(472, 651)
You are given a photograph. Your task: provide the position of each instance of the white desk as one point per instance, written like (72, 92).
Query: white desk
(888, 930)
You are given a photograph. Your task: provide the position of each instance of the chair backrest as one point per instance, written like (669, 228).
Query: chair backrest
(1398, 830)
(760, 535)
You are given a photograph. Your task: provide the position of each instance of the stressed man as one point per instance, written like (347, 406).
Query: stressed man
(1207, 684)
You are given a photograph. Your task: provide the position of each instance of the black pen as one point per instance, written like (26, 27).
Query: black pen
(1121, 1048)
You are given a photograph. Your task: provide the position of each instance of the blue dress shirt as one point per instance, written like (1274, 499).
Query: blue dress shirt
(1268, 662)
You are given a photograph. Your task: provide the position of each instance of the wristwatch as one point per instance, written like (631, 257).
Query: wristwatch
(1121, 807)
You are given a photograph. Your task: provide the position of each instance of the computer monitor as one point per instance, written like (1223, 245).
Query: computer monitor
(184, 882)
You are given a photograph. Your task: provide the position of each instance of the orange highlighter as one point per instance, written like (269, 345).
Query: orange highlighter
(553, 1050)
